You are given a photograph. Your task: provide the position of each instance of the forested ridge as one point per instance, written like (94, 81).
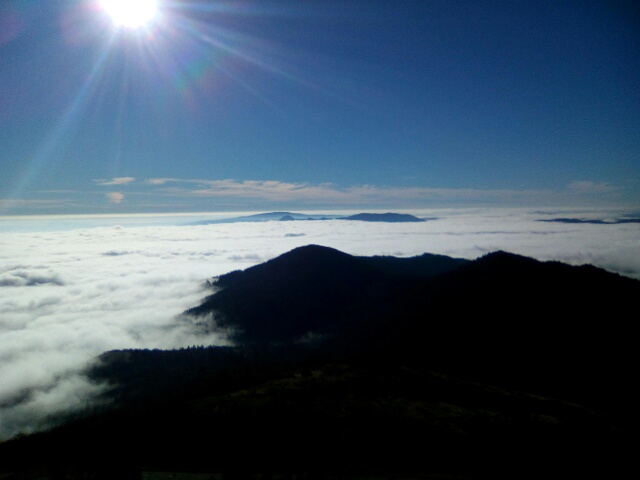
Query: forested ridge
(499, 367)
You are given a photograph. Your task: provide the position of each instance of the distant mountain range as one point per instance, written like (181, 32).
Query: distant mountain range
(593, 221)
(289, 216)
(430, 366)
(383, 217)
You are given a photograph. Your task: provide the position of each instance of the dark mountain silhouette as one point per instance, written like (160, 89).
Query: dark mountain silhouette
(310, 288)
(262, 217)
(501, 367)
(520, 321)
(591, 221)
(547, 327)
(384, 217)
(289, 216)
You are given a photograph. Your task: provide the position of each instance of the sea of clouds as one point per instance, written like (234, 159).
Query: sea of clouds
(71, 289)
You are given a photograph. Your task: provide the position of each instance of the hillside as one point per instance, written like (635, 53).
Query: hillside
(311, 288)
(501, 367)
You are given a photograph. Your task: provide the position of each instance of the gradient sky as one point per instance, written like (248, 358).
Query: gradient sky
(305, 104)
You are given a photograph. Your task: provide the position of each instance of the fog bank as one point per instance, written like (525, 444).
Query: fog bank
(68, 295)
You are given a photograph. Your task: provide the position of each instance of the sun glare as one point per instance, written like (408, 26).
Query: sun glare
(131, 13)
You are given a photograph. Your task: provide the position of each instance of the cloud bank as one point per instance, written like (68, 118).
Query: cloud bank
(68, 295)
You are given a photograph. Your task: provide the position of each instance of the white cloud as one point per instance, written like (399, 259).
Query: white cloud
(115, 197)
(160, 181)
(585, 187)
(332, 195)
(69, 295)
(328, 195)
(116, 181)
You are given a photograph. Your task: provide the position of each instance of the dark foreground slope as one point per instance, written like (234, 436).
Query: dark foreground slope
(433, 367)
(501, 318)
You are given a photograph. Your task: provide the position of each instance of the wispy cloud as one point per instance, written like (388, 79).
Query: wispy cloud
(160, 181)
(586, 187)
(331, 194)
(327, 195)
(200, 194)
(115, 197)
(11, 202)
(116, 181)
(26, 204)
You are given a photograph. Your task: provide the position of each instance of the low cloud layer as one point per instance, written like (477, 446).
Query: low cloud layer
(68, 295)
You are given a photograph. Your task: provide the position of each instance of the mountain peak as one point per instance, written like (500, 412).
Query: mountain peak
(502, 256)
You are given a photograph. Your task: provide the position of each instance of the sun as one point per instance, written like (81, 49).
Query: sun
(131, 13)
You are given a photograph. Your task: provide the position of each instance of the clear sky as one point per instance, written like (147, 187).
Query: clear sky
(318, 104)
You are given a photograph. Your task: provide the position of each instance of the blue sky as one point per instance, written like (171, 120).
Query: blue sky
(299, 105)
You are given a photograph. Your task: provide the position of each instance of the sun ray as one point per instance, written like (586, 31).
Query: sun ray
(65, 126)
(167, 46)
